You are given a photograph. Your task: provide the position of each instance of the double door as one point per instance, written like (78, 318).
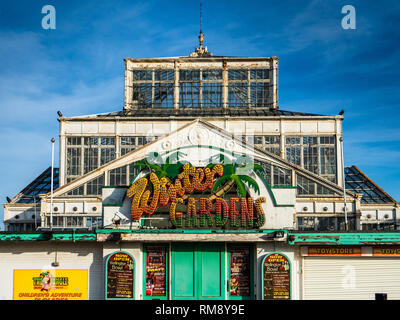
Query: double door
(198, 271)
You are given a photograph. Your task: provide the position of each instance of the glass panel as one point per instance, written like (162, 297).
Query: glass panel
(212, 95)
(311, 159)
(164, 75)
(133, 171)
(73, 161)
(93, 187)
(292, 140)
(90, 159)
(328, 160)
(237, 94)
(272, 139)
(259, 93)
(324, 191)
(74, 141)
(189, 95)
(189, 75)
(237, 74)
(259, 73)
(107, 155)
(282, 177)
(293, 154)
(163, 95)
(128, 141)
(118, 176)
(106, 141)
(305, 186)
(327, 140)
(267, 170)
(142, 75)
(142, 94)
(76, 192)
(90, 141)
(212, 74)
(306, 223)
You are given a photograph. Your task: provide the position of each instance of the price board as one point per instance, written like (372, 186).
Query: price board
(276, 275)
(120, 276)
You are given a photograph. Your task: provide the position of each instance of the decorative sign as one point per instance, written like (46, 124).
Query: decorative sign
(240, 271)
(50, 284)
(156, 267)
(214, 211)
(334, 251)
(386, 251)
(120, 275)
(276, 272)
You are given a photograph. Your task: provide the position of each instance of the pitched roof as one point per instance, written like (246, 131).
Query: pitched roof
(359, 182)
(42, 184)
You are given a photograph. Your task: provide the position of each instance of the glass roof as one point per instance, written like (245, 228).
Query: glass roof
(358, 182)
(42, 184)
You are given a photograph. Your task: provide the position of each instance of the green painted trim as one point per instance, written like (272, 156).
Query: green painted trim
(166, 246)
(269, 188)
(133, 280)
(228, 266)
(190, 231)
(262, 274)
(48, 236)
(344, 238)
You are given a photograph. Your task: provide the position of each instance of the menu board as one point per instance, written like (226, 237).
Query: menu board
(276, 277)
(120, 276)
(156, 284)
(240, 271)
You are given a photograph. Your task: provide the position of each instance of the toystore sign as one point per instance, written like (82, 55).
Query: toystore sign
(276, 275)
(52, 284)
(119, 276)
(334, 251)
(386, 251)
(200, 195)
(156, 267)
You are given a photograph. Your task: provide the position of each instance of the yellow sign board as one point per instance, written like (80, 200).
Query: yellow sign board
(50, 284)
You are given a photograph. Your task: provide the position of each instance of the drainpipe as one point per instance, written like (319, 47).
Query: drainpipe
(51, 194)
(344, 186)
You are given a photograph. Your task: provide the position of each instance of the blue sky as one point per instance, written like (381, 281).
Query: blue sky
(78, 68)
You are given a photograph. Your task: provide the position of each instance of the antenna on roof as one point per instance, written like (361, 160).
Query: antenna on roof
(201, 51)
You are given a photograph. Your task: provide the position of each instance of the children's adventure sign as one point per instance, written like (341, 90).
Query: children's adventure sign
(50, 284)
(204, 192)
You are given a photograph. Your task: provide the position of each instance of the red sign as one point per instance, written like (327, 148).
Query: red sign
(240, 271)
(156, 271)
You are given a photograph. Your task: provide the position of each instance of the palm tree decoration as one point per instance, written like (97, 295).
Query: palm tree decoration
(236, 173)
(170, 168)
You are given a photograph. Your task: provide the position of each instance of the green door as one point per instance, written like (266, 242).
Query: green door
(198, 271)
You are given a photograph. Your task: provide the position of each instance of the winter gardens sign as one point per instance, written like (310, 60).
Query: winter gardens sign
(205, 193)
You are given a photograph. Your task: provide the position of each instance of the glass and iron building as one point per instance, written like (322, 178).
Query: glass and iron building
(201, 170)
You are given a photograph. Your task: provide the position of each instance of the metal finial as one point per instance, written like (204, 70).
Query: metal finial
(201, 51)
(201, 37)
